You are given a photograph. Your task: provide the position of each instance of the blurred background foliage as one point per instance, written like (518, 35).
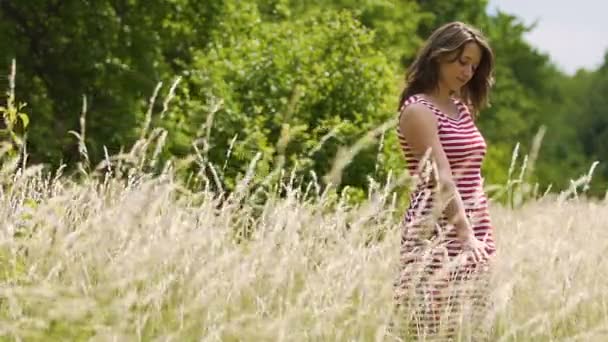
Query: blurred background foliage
(293, 80)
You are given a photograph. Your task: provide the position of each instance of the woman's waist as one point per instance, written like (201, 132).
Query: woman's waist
(472, 198)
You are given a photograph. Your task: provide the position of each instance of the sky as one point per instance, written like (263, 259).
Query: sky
(573, 33)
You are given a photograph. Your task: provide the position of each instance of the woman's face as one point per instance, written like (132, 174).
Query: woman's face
(455, 71)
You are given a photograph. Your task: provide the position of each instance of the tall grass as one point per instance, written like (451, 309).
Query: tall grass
(141, 258)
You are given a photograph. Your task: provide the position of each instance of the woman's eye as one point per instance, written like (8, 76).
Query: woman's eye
(463, 63)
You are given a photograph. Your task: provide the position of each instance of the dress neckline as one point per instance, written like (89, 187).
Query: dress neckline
(432, 105)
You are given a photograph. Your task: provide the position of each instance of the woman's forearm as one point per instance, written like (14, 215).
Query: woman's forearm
(454, 208)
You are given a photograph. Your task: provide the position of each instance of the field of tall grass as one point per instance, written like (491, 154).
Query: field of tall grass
(125, 256)
(113, 253)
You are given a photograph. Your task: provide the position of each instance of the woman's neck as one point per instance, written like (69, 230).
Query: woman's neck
(441, 95)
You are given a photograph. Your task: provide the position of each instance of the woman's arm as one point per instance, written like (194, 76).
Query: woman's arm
(419, 125)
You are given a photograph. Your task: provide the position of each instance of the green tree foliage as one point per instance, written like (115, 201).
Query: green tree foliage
(106, 50)
(589, 115)
(292, 80)
(284, 85)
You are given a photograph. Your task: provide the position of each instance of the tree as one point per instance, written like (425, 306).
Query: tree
(284, 85)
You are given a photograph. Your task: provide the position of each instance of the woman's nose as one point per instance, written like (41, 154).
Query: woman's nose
(470, 70)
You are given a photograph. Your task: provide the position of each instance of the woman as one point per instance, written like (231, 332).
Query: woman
(447, 242)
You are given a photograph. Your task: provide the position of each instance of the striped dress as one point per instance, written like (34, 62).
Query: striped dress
(437, 284)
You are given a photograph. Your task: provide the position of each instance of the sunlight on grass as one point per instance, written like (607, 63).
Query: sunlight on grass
(140, 258)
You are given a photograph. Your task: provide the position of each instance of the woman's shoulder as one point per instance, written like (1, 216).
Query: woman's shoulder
(415, 113)
(414, 103)
(417, 102)
(409, 101)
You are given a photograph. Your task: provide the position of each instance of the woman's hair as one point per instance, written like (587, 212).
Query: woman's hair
(423, 74)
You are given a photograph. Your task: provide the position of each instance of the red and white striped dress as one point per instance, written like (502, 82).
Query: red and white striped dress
(429, 247)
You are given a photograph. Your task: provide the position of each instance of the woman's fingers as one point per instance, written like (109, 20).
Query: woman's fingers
(478, 252)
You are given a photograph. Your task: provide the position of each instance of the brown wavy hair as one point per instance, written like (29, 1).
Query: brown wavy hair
(423, 74)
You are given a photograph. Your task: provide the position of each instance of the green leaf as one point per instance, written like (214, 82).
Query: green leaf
(16, 139)
(24, 119)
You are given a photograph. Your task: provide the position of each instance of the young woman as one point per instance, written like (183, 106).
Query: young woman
(447, 243)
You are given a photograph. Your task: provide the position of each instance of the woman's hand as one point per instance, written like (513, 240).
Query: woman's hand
(474, 248)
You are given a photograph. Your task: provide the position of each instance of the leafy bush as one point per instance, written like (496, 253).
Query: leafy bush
(294, 91)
